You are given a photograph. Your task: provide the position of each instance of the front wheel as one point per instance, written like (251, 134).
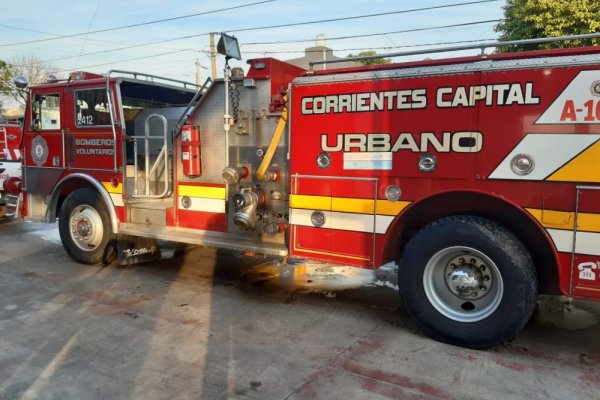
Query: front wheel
(468, 281)
(85, 229)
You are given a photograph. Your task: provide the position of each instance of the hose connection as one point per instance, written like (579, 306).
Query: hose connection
(231, 175)
(246, 203)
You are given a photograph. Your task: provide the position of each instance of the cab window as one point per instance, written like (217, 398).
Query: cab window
(91, 108)
(46, 112)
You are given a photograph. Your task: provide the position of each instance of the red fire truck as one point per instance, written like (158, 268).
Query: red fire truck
(10, 161)
(478, 175)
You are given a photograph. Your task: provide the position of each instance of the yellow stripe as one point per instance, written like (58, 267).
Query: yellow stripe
(207, 192)
(111, 189)
(360, 206)
(310, 202)
(342, 204)
(583, 168)
(566, 219)
(386, 207)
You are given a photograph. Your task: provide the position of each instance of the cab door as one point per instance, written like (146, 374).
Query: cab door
(44, 155)
(90, 141)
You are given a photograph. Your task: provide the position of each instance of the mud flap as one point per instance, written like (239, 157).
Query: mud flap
(136, 249)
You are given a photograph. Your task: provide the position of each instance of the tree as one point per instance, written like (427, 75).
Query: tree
(530, 19)
(31, 68)
(371, 61)
(5, 88)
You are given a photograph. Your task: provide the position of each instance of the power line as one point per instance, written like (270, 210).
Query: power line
(134, 59)
(86, 36)
(140, 24)
(300, 40)
(273, 52)
(377, 34)
(265, 27)
(362, 16)
(290, 51)
(370, 48)
(109, 51)
(284, 25)
(57, 36)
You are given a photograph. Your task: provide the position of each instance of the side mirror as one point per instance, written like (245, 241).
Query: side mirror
(20, 82)
(229, 47)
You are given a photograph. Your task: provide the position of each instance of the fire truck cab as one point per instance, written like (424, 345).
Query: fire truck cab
(477, 175)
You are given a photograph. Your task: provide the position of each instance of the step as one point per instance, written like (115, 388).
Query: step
(205, 238)
(149, 212)
(12, 206)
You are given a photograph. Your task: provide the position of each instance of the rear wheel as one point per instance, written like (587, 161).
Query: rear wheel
(85, 229)
(468, 281)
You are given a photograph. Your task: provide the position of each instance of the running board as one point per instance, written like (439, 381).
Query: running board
(205, 238)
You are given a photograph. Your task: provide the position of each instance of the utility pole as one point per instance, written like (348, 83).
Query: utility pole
(213, 56)
(198, 80)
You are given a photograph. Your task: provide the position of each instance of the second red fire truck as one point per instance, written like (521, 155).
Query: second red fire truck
(478, 175)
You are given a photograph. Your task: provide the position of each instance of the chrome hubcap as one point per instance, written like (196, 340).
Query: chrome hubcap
(86, 227)
(468, 277)
(463, 284)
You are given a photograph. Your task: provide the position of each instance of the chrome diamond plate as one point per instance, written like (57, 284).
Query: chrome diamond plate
(483, 65)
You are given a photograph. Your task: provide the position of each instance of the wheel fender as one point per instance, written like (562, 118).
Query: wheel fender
(504, 211)
(54, 196)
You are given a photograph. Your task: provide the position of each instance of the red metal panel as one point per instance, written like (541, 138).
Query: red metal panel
(202, 220)
(311, 240)
(311, 186)
(314, 243)
(280, 73)
(404, 127)
(357, 246)
(586, 274)
(319, 123)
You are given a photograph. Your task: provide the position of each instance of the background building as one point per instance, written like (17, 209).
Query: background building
(320, 52)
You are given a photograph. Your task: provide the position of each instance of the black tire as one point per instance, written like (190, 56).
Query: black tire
(468, 281)
(85, 228)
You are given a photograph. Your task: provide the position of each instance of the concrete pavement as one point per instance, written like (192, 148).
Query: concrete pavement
(217, 325)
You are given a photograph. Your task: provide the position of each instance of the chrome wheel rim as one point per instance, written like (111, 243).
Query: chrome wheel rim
(86, 228)
(463, 284)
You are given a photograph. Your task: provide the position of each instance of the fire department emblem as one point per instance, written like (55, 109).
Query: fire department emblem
(595, 88)
(39, 150)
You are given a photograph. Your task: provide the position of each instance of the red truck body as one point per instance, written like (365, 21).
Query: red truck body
(477, 175)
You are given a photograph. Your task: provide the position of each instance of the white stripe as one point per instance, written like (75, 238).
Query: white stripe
(382, 223)
(205, 205)
(587, 242)
(578, 92)
(549, 152)
(299, 216)
(117, 199)
(343, 221)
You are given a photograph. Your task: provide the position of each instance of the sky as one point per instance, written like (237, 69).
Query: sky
(171, 48)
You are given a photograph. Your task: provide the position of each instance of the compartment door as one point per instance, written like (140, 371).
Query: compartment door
(585, 266)
(333, 219)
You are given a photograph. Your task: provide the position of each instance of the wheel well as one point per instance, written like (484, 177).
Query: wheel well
(62, 191)
(480, 204)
